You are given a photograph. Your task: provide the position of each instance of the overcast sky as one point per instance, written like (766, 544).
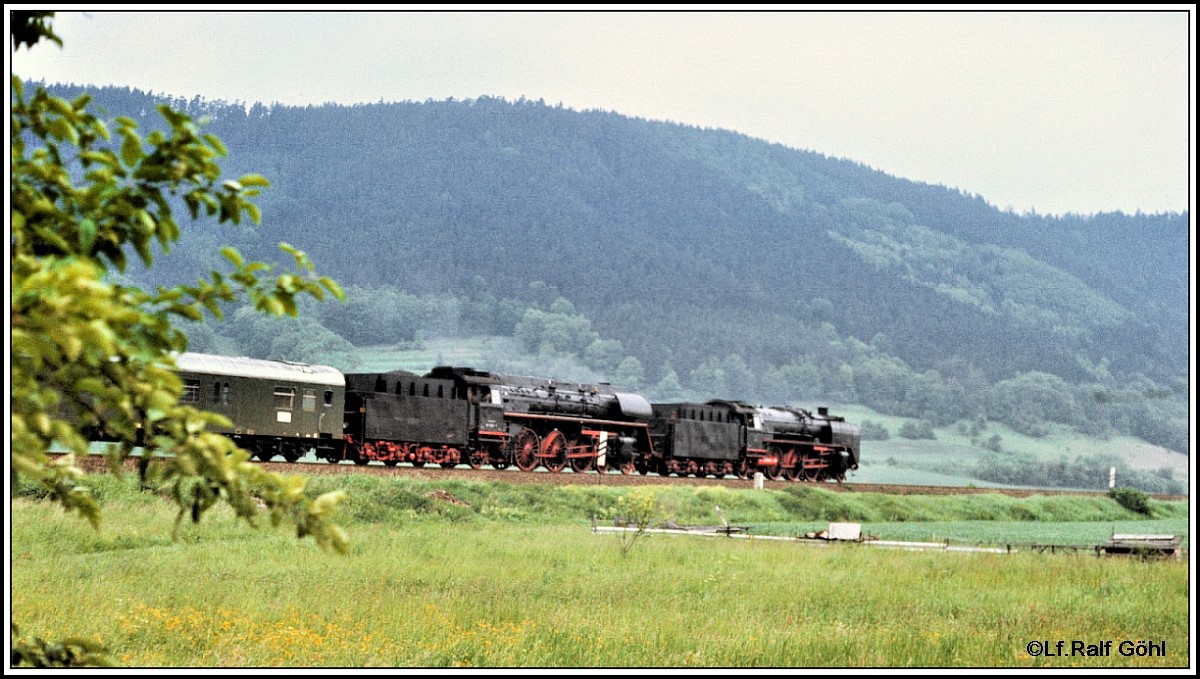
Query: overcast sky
(1055, 111)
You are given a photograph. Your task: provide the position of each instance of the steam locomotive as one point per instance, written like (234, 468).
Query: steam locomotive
(453, 415)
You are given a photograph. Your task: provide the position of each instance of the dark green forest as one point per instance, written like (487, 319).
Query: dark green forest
(698, 263)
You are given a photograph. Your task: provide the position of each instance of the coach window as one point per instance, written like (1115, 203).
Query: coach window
(216, 392)
(412, 388)
(309, 402)
(426, 394)
(225, 394)
(191, 392)
(439, 391)
(380, 385)
(328, 398)
(285, 398)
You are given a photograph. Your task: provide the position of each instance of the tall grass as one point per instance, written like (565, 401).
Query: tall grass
(373, 498)
(515, 579)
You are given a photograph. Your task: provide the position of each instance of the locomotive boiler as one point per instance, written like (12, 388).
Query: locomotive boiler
(552, 423)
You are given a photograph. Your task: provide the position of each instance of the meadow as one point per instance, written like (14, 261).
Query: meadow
(509, 575)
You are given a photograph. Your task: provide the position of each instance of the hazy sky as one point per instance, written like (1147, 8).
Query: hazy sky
(1055, 111)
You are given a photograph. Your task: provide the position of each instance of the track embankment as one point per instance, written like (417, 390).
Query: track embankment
(462, 473)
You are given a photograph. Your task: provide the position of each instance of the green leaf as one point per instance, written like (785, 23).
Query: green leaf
(253, 180)
(87, 235)
(332, 287)
(272, 306)
(63, 130)
(233, 256)
(188, 312)
(142, 247)
(216, 144)
(131, 148)
(145, 224)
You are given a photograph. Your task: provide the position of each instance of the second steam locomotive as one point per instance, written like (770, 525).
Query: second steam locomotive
(453, 416)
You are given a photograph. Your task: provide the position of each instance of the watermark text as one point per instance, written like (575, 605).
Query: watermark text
(1076, 648)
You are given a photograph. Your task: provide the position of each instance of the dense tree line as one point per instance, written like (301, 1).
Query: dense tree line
(1083, 472)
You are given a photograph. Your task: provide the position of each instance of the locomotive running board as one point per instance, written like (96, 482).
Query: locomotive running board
(578, 420)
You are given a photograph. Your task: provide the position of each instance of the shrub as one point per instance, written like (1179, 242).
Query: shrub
(993, 444)
(1132, 499)
(917, 430)
(873, 431)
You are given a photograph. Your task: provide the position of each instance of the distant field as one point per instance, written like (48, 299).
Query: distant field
(514, 578)
(462, 352)
(946, 459)
(871, 471)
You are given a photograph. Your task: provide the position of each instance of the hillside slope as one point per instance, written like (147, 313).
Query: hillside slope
(738, 264)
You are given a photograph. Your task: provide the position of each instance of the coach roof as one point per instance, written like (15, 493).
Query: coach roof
(282, 371)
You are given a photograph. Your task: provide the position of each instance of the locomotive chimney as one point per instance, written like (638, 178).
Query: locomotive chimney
(822, 410)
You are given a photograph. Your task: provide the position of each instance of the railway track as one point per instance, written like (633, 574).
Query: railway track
(96, 463)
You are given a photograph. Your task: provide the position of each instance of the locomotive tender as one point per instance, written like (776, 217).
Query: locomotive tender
(453, 416)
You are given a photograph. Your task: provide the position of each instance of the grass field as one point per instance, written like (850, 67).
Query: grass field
(946, 460)
(514, 578)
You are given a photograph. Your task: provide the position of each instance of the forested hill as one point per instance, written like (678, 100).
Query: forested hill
(716, 259)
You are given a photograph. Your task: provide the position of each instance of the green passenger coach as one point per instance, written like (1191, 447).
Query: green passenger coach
(277, 407)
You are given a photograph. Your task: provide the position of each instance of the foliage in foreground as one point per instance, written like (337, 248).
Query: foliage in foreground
(91, 352)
